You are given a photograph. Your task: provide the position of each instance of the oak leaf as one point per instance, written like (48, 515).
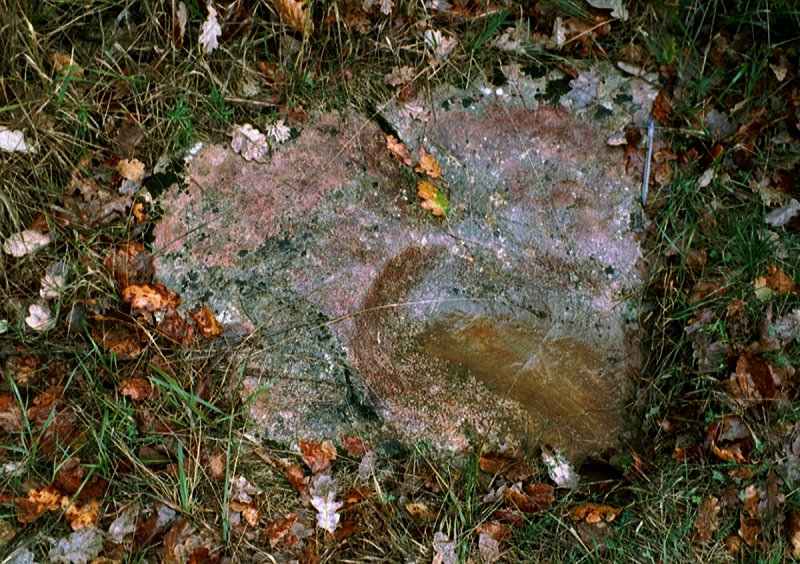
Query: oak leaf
(432, 199)
(136, 388)
(207, 322)
(317, 455)
(293, 14)
(428, 164)
(399, 150)
(81, 516)
(37, 503)
(150, 297)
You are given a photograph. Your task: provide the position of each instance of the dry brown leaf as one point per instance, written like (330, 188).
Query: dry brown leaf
(428, 164)
(543, 496)
(707, 521)
(44, 403)
(749, 529)
(70, 476)
(293, 14)
(354, 446)
(138, 212)
(279, 531)
(729, 439)
(22, 368)
(65, 64)
(793, 532)
(130, 264)
(662, 107)
(510, 467)
(131, 169)
(120, 339)
(248, 511)
(37, 503)
(420, 511)
(81, 516)
(150, 297)
(776, 280)
(317, 455)
(136, 388)
(175, 328)
(432, 199)
(495, 529)
(297, 478)
(399, 150)
(10, 414)
(755, 379)
(594, 513)
(206, 322)
(62, 431)
(216, 465)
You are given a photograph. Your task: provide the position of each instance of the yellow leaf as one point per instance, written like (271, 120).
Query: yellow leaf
(428, 164)
(432, 199)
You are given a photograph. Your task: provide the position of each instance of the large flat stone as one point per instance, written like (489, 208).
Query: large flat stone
(511, 319)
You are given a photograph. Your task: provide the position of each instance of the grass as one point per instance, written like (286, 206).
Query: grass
(132, 89)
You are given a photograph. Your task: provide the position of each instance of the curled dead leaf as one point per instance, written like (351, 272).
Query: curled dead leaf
(428, 164)
(119, 338)
(10, 414)
(511, 467)
(354, 446)
(317, 455)
(707, 521)
(150, 297)
(136, 388)
(293, 14)
(776, 281)
(420, 511)
(536, 497)
(81, 516)
(37, 503)
(206, 322)
(175, 328)
(279, 531)
(594, 513)
(729, 439)
(130, 264)
(399, 150)
(755, 379)
(248, 510)
(495, 529)
(131, 169)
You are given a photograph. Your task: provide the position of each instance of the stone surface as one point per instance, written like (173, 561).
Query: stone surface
(358, 311)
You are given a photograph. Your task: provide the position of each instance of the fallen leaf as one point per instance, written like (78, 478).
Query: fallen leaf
(130, 264)
(22, 368)
(323, 499)
(54, 281)
(70, 476)
(707, 521)
(560, 469)
(662, 107)
(399, 150)
(279, 531)
(44, 403)
(136, 388)
(432, 199)
(210, 31)
(400, 76)
(242, 490)
(420, 511)
(444, 550)
(783, 215)
(495, 529)
(37, 503)
(729, 439)
(40, 318)
(61, 432)
(249, 142)
(120, 339)
(174, 327)
(248, 510)
(206, 322)
(124, 524)
(793, 532)
(511, 467)
(80, 547)
(428, 164)
(216, 465)
(317, 455)
(150, 297)
(13, 141)
(25, 242)
(488, 548)
(755, 379)
(297, 478)
(354, 446)
(131, 169)
(535, 498)
(775, 282)
(279, 132)
(594, 514)
(65, 65)
(138, 212)
(780, 71)
(180, 19)
(439, 45)
(293, 14)
(617, 7)
(706, 178)
(81, 516)
(10, 414)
